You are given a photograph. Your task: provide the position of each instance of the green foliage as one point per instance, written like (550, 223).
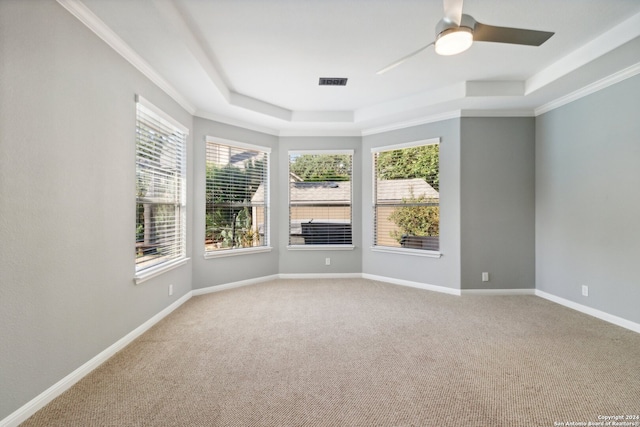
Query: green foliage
(416, 162)
(415, 220)
(321, 167)
(229, 190)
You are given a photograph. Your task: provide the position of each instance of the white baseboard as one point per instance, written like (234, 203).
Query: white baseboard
(619, 321)
(321, 276)
(499, 292)
(248, 282)
(435, 288)
(64, 384)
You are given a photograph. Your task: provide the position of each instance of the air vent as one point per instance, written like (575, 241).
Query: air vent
(333, 81)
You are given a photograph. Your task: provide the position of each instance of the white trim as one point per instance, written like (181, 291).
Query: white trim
(589, 89)
(406, 251)
(238, 144)
(619, 321)
(241, 283)
(497, 113)
(31, 407)
(236, 122)
(235, 252)
(425, 286)
(320, 276)
(411, 123)
(322, 132)
(152, 272)
(95, 24)
(161, 114)
(320, 247)
(498, 292)
(327, 151)
(420, 143)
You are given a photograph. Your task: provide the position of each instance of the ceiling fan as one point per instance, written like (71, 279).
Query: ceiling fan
(457, 31)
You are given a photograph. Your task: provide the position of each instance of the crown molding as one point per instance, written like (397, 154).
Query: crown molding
(589, 89)
(95, 24)
(414, 122)
(605, 43)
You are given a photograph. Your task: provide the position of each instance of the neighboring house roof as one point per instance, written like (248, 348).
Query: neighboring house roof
(336, 193)
(328, 192)
(394, 190)
(339, 192)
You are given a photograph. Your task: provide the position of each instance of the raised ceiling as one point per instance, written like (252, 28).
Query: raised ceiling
(256, 63)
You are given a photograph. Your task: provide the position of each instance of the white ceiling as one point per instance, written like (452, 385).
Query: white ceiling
(256, 63)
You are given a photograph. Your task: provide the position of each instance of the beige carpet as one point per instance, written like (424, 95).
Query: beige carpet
(360, 353)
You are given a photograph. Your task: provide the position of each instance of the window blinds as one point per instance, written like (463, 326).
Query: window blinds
(160, 188)
(407, 196)
(320, 197)
(237, 196)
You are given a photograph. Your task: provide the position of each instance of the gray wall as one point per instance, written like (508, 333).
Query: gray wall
(218, 271)
(587, 204)
(444, 271)
(67, 199)
(313, 261)
(498, 202)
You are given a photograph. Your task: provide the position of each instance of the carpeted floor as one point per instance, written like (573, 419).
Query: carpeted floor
(361, 353)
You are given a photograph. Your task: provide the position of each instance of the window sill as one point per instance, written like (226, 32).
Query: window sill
(321, 247)
(152, 272)
(235, 252)
(404, 251)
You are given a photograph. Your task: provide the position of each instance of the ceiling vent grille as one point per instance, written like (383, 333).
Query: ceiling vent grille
(333, 81)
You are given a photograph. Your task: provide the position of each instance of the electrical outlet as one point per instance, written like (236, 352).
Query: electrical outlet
(170, 290)
(485, 277)
(585, 291)
(327, 261)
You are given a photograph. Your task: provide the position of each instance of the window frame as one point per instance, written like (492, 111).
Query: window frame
(209, 254)
(181, 132)
(391, 249)
(319, 247)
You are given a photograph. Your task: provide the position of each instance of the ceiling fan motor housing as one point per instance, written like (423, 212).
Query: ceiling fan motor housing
(445, 25)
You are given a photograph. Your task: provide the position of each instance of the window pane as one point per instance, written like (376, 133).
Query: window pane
(407, 198)
(320, 199)
(236, 197)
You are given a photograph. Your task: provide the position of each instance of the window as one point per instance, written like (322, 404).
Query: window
(320, 198)
(160, 191)
(407, 196)
(237, 197)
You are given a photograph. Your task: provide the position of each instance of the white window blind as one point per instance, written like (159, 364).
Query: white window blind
(407, 196)
(237, 196)
(320, 197)
(160, 188)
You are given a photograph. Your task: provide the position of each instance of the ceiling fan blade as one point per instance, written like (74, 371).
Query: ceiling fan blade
(453, 11)
(401, 60)
(490, 33)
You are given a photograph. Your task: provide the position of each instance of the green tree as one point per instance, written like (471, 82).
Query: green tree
(321, 167)
(415, 162)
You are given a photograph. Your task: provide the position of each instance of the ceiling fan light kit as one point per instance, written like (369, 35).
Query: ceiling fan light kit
(453, 41)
